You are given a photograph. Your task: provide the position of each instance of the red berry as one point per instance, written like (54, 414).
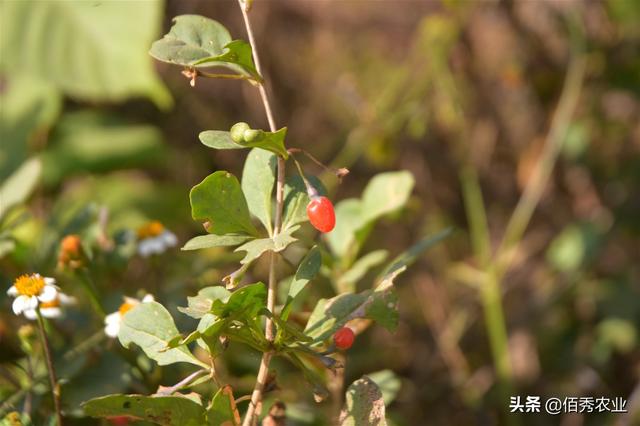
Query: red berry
(321, 214)
(119, 420)
(344, 338)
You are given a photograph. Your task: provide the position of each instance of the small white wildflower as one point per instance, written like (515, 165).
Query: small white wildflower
(51, 309)
(30, 290)
(112, 321)
(154, 238)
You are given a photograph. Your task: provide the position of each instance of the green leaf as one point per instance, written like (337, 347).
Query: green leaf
(218, 139)
(237, 53)
(388, 383)
(200, 304)
(296, 200)
(220, 309)
(150, 326)
(307, 270)
(171, 410)
(29, 107)
(213, 240)
(379, 305)
(196, 41)
(363, 405)
(385, 193)
(223, 410)
(258, 177)
(249, 300)
(88, 141)
(219, 200)
(348, 221)
(269, 141)
(90, 51)
(17, 188)
(244, 135)
(347, 281)
(409, 256)
(255, 248)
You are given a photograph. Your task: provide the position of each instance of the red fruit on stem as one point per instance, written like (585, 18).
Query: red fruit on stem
(344, 338)
(321, 214)
(119, 420)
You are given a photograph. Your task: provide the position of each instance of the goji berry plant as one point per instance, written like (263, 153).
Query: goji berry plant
(250, 314)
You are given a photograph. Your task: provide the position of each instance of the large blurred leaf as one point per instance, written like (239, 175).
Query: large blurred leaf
(219, 200)
(92, 142)
(385, 193)
(196, 41)
(171, 410)
(150, 326)
(89, 50)
(17, 188)
(29, 106)
(258, 177)
(363, 405)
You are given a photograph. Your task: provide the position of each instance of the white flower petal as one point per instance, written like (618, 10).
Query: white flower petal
(19, 304)
(50, 312)
(32, 302)
(112, 329)
(66, 299)
(144, 248)
(131, 300)
(113, 318)
(148, 298)
(169, 238)
(49, 293)
(13, 291)
(49, 281)
(30, 314)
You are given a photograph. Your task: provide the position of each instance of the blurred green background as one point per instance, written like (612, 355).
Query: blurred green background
(425, 86)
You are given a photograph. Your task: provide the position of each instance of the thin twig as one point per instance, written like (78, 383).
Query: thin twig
(55, 390)
(182, 383)
(256, 395)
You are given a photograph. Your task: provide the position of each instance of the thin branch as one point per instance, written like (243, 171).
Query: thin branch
(55, 390)
(182, 383)
(263, 371)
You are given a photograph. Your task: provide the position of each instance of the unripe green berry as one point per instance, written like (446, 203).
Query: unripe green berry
(237, 132)
(253, 135)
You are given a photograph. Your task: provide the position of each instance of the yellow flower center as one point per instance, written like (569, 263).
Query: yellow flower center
(55, 303)
(29, 285)
(125, 307)
(151, 229)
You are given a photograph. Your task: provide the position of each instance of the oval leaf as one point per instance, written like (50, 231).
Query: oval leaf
(363, 405)
(213, 240)
(150, 326)
(219, 200)
(163, 410)
(258, 177)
